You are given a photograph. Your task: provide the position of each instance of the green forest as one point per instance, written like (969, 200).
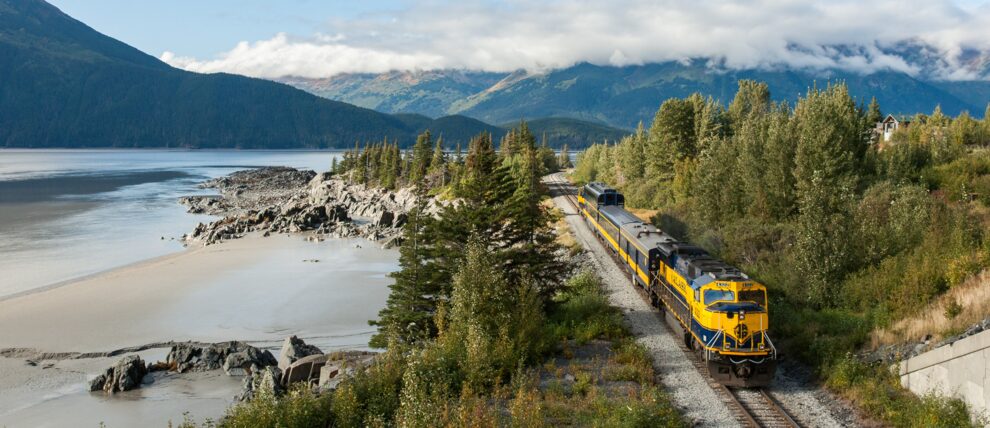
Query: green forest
(849, 232)
(483, 306)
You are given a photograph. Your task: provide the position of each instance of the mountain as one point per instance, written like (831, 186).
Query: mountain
(63, 84)
(624, 96)
(423, 92)
(573, 132)
(454, 129)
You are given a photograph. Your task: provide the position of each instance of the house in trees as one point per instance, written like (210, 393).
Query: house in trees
(892, 123)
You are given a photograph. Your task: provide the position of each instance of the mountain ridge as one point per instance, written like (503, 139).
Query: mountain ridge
(624, 96)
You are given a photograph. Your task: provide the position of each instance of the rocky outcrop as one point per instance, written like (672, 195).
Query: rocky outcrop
(264, 382)
(890, 354)
(294, 349)
(235, 358)
(276, 200)
(125, 375)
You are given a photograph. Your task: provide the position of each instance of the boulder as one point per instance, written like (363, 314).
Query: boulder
(125, 375)
(304, 369)
(235, 358)
(263, 382)
(293, 349)
(384, 219)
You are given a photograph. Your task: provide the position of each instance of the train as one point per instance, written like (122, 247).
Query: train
(722, 313)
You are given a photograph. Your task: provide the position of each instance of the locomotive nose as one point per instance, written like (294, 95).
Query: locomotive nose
(744, 371)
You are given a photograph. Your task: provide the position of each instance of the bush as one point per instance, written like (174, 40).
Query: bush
(877, 390)
(581, 312)
(301, 407)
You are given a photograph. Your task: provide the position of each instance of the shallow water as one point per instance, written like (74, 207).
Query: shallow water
(70, 213)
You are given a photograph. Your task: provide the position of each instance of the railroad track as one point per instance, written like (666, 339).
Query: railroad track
(752, 407)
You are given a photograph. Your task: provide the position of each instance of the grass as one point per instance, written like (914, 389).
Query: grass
(877, 391)
(955, 311)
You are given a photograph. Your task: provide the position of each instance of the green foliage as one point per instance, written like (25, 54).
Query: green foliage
(877, 390)
(301, 408)
(581, 312)
(651, 409)
(371, 396)
(849, 234)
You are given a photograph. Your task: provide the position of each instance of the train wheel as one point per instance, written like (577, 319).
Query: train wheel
(688, 340)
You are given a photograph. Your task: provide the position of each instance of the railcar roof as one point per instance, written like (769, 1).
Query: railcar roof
(619, 216)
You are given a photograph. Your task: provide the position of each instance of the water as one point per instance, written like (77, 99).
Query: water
(70, 213)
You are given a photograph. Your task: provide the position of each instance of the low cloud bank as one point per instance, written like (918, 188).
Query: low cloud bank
(935, 38)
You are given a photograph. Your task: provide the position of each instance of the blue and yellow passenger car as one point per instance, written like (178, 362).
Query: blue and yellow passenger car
(722, 312)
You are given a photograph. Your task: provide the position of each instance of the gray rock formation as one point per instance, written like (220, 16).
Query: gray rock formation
(266, 381)
(293, 349)
(283, 200)
(125, 375)
(235, 358)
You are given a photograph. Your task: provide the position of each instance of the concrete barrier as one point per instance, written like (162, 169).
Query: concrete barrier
(961, 369)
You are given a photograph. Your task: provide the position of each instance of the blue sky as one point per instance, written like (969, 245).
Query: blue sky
(312, 38)
(203, 28)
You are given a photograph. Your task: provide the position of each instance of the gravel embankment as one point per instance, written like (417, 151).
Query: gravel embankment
(690, 391)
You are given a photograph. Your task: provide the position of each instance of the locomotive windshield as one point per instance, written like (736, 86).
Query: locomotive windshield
(756, 296)
(712, 296)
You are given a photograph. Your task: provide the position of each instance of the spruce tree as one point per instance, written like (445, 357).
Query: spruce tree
(564, 158)
(421, 155)
(409, 310)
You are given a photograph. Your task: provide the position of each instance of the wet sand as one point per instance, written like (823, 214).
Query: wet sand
(254, 289)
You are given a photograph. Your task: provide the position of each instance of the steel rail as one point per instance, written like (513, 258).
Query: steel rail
(742, 408)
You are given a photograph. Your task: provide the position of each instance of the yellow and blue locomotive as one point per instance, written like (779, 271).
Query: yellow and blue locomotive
(722, 312)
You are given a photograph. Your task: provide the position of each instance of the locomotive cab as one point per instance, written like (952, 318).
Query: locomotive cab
(733, 327)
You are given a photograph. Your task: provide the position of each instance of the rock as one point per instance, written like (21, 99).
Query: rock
(293, 349)
(305, 369)
(235, 358)
(384, 219)
(266, 381)
(125, 375)
(279, 200)
(328, 376)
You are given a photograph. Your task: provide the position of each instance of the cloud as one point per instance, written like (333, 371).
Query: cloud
(852, 35)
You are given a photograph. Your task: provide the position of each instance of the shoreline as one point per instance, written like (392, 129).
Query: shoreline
(190, 248)
(254, 289)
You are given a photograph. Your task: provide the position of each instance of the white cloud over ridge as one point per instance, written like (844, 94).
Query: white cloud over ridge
(936, 38)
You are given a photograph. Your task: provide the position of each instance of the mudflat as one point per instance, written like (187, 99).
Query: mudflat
(254, 289)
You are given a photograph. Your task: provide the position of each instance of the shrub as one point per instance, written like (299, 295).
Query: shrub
(301, 407)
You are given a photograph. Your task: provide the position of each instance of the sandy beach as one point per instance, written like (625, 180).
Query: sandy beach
(254, 289)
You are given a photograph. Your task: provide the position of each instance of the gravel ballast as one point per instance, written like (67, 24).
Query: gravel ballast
(689, 390)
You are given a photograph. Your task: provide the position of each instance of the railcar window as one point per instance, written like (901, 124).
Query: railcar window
(712, 296)
(756, 296)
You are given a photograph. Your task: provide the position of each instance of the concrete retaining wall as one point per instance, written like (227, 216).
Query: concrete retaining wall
(961, 370)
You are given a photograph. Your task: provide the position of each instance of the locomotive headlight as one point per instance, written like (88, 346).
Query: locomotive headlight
(762, 345)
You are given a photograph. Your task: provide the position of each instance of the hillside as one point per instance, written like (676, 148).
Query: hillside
(572, 132)
(624, 96)
(63, 84)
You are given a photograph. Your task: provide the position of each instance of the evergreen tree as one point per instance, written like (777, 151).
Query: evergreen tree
(421, 154)
(564, 158)
(438, 165)
(409, 310)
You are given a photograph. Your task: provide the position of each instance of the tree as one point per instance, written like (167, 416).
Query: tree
(564, 158)
(873, 113)
(751, 98)
(672, 138)
(830, 143)
(421, 155)
(438, 165)
(411, 305)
